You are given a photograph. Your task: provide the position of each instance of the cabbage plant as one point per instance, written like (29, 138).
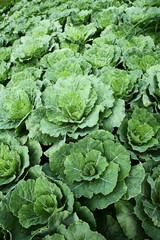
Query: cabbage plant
(73, 106)
(40, 208)
(17, 100)
(14, 160)
(147, 204)
(30, 47)
(134, 58)
(140, 131)
(101, 55)
(41, 199)
(151, 81)
(95, 167)
(65, 68)
(123, 84)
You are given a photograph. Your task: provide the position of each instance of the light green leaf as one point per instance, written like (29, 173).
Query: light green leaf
(72, 105)
(92, 118)
(85, 214)
(33, 126)
(80, 230)
(74, 167)
(80, 189)
(101, 135)
(45, 205)
(80, 34)
(117, 153)
(134, 181)
(58, 157)
(107, 181)
(56, 236)
(54, 130)
(44, 187)
(27, 216)
(118, 114)
(35, 152)
(22, 195)
(35, 172)
(100, 201)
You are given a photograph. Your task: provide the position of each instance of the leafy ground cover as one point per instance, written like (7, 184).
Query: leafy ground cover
(79, 120)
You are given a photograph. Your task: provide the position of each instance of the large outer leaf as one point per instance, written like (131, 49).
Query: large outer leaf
(54, 130)
(100, 201)
(113, 230)
(35, 152)
(80, 189)
(10, 222)
(85, 214)
(23, 194)
(153, 212)
(33, 125)
(80, 230)
(58, 157)
(86, 144)
(92, 118)
(128, 220)
(118, 114)
(117, 153)
(134, 181)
